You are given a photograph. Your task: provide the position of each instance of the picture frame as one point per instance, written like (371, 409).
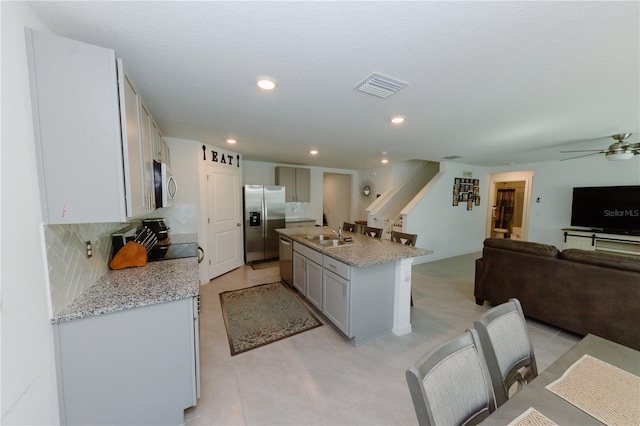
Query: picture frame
(466, 190)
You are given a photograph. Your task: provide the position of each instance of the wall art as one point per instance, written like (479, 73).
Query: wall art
(466, 191)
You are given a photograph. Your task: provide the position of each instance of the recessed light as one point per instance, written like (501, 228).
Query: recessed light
(231, 141)
(313, 152)
(266, 83)
(384, 161)
(398, 119)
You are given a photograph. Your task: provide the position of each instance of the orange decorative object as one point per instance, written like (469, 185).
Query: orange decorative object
(131, 254)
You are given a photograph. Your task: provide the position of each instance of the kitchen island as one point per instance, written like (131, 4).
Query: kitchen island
(363, 286)
(127, 348)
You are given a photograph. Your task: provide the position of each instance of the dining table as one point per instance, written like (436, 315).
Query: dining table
(615, 394)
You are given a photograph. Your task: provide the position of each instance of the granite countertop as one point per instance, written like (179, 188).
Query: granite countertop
(363, 251)
(122, 289)
(299, 219)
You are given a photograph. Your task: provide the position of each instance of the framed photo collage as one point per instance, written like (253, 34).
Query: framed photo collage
(466, 191)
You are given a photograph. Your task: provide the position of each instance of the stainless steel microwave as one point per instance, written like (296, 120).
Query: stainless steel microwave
(166, 187)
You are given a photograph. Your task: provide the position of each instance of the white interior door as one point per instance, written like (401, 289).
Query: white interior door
(224, 219)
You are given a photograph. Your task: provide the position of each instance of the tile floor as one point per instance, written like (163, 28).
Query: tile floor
(318, 378)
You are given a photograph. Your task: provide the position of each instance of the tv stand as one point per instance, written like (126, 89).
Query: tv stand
(586, 239)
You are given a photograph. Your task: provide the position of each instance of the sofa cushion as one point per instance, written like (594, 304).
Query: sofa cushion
(598, 258)
(536, 249)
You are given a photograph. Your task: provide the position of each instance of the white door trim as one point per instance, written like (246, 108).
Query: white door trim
(523, 175)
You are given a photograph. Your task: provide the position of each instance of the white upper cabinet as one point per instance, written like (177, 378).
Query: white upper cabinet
(146, 147)
(88, 169)
(131, 141)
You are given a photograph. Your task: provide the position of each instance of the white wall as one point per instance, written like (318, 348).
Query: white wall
(452, 231)
(385, 178)
(337, 190)
(29, 393)
(553, 183)
(380, 179)
(446, 229)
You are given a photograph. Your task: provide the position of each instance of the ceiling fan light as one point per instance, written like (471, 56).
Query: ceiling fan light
(617, 156)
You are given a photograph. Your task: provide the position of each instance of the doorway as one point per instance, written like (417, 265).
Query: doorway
(336, 198)
(509, 205)
(224, 219)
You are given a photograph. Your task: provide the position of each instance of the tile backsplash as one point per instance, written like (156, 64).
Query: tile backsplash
(71, 272)
(182, 219)
(296, 210)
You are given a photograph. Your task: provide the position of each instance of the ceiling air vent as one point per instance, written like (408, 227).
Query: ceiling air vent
(452, 157)
(380, 85)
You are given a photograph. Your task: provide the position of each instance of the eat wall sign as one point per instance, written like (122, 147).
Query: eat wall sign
(221, 157)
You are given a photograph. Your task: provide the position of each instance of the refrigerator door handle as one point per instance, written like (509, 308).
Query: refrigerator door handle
(265, 215)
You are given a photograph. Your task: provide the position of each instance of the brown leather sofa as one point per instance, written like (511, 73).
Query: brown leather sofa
(578, 290)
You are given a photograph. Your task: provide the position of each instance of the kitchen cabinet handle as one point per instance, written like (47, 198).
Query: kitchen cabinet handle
(200, 259)
(285, 242)
(264, 219)
(172, 188)
(331, 265)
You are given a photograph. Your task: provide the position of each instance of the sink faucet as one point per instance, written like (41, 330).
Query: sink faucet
(338, 233)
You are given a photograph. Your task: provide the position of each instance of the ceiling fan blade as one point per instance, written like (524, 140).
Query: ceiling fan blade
(586, 150)
(580, 156)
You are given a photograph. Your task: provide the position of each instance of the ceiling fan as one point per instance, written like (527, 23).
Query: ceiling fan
(619, 150)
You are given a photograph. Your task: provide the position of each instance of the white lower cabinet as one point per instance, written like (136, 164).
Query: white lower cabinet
(314, 284)
(337, 300)
(134, 367)
(300, 272)
(307, 273)
(357, 300)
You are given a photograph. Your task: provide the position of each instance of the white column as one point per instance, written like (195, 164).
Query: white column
(402, 298)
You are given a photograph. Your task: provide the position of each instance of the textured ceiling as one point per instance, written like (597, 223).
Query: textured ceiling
(492, 82)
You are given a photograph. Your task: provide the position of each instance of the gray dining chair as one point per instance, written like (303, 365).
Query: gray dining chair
(451, 385)
(373, 232)
(349, 227)
(507, 348)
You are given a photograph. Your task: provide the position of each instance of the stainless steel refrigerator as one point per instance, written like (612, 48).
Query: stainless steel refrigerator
(264, 212)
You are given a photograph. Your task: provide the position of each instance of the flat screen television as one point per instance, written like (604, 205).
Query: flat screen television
(611, 209)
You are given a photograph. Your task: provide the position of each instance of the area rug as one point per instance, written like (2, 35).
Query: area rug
(263, 314)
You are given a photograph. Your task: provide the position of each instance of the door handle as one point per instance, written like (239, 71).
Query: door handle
(238, 224)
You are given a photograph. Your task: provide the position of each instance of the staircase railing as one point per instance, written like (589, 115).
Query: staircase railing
(387, 212)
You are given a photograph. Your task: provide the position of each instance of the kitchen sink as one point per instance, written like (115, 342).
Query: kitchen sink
(322, 237)
(332, 243)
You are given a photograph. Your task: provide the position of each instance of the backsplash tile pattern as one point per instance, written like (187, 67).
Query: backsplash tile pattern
(70, 272)
(182, 219)
(296, 210)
